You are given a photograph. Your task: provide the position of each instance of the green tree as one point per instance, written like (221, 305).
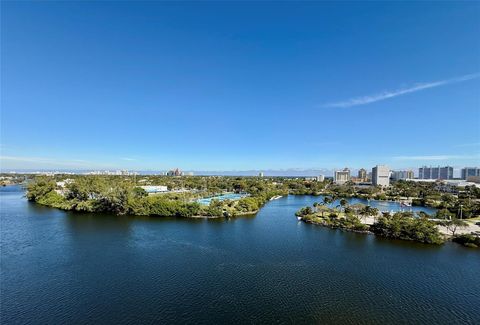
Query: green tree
(39, 188)
(328, 200)
(368, 211)
(304, 212)
(444, 214)
(454, 224)
(343, 203)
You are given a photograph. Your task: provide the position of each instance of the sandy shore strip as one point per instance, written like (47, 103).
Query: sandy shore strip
(472, 227)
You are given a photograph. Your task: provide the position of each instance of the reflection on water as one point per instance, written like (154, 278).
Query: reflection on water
(59, 267)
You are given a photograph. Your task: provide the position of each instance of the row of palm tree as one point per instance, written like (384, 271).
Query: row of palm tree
(358, 208)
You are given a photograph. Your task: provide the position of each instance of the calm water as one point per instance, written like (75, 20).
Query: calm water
(59, 267)
(383, 206)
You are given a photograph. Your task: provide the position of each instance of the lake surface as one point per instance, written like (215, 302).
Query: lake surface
(382, 206)
(59, 267)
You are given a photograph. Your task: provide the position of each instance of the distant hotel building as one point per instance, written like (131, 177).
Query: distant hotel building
(175, 172)
(435, 172)
(470, 172)
(260, 174)
(362, 175)
(320, 178)
(381, 175)
(342, 176)
(402, 174)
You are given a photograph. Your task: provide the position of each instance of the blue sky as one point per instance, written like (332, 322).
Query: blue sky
(239, 86)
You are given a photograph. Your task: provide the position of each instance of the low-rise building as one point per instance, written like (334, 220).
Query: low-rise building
(453, 185)
(155, 188)
(64, 183)
(473, 179)
(449, 185)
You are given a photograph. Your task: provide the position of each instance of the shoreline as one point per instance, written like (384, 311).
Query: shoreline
(472, 227)
(240, 214)
(469, 230)
(366, 232)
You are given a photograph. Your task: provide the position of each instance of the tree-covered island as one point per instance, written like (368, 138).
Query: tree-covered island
(124, 195)
(404, 225)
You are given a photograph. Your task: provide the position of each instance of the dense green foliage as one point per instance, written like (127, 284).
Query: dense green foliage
(333, 220)
(401, 225)
(122, 195)
(468, 240)
(466, 202)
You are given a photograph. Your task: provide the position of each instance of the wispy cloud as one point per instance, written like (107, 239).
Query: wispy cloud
(437, 157)
(128, 159)
(398, 92)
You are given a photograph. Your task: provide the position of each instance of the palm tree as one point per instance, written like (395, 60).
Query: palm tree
(369, 211)
(343, 203)
(327, 200)
(323, 208)
(364, 213)
(374, 212)
(357, 207)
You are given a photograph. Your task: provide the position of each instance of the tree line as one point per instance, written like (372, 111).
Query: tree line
(400, 225)
(121, 196)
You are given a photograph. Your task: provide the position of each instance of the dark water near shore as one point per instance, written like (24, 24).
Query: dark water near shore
(59, 267)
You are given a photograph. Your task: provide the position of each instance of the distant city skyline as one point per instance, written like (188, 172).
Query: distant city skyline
(292, 172)
(308, 85)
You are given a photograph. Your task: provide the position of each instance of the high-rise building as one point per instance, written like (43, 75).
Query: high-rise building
(381, 175)
(435, 172)
(362, 175)
(320, 178)
(470, 172)
(402, 174)
(175, 172)
(260, 174)
(342, 176)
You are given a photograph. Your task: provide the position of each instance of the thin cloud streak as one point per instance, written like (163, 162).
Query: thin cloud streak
(390, 94)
